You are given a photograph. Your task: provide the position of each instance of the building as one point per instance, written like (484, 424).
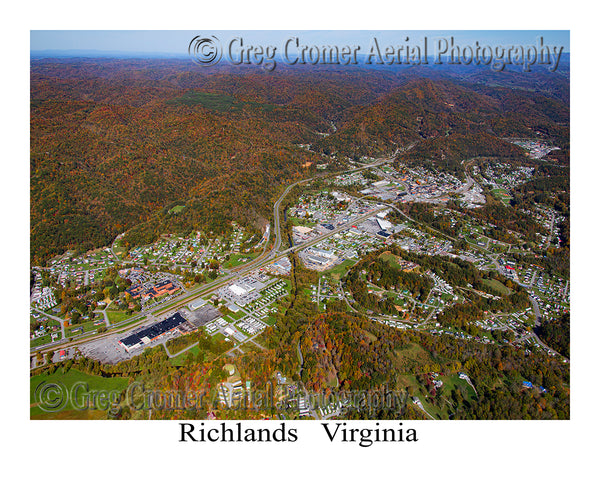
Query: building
(166, 287)
(384, 224)
(135, 291)
(237, 290)
(322, 253)
(152, 332)
(197, 304)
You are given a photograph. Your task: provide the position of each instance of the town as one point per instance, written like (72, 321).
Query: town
(333, 227)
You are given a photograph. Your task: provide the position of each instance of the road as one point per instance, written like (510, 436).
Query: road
(551, 229)
(419, 405)
(536, 310)
(172, 355)
(251, 340)
(58, 319)
(106, 320)
(265, 258)
(237, 347)
(319, 293)
(112, 248)
(470, 183)
(277, 205)
(468, 380)
(262, 260)
(537, 339)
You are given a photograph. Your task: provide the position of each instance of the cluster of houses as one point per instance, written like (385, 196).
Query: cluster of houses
(43, 298)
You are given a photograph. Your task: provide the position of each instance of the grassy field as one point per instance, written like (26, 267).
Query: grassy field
(116, 316)
(444, 407)
(340, 270)
(44, 339)
(288, 285)
(307, 291)
(176, 345)
(390, 258)
(177, 209)
(132, 321)
(87, 327)
(451, 382)
(180, 359)
(235, 316)
(498, 286)
(66, 381)
(251, 347)
(406, 381)
(237, 259)
(219, 336)
(119, 250)
(446, 297)
(410, 356)
(502, 194)
(302, 222)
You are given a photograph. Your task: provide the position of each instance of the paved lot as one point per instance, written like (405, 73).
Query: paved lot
(106, 350)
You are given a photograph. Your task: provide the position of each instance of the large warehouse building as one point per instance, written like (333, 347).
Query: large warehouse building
(152, 332)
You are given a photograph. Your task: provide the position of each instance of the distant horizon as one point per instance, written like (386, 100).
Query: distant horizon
(87, 53)
(97, 53)
(156, 43)
(364, 60)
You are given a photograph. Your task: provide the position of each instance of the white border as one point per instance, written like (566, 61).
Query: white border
(446, 449)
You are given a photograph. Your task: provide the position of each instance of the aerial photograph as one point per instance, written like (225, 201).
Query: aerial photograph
(299, 225)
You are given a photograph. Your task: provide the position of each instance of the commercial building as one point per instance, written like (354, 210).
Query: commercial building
(152, 332)
(197, 304)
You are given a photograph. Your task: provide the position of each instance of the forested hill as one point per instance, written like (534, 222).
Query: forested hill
(113, 142)
(448, 121)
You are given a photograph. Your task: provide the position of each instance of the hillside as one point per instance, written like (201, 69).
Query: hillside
(447, 120)
(114, 142)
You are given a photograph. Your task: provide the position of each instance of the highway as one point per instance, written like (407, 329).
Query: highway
(267, 256)
(182, 300)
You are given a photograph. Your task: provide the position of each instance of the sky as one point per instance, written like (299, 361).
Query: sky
(175, 42)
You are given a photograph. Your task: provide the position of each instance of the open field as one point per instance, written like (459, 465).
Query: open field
(116, 316)
(498, 286)
(410, 356)
(340, 270)
(87, 327)
(180, 359)
(44, 339)
(502, 194)
(177, 209)
(66, 382)
(239, 259)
